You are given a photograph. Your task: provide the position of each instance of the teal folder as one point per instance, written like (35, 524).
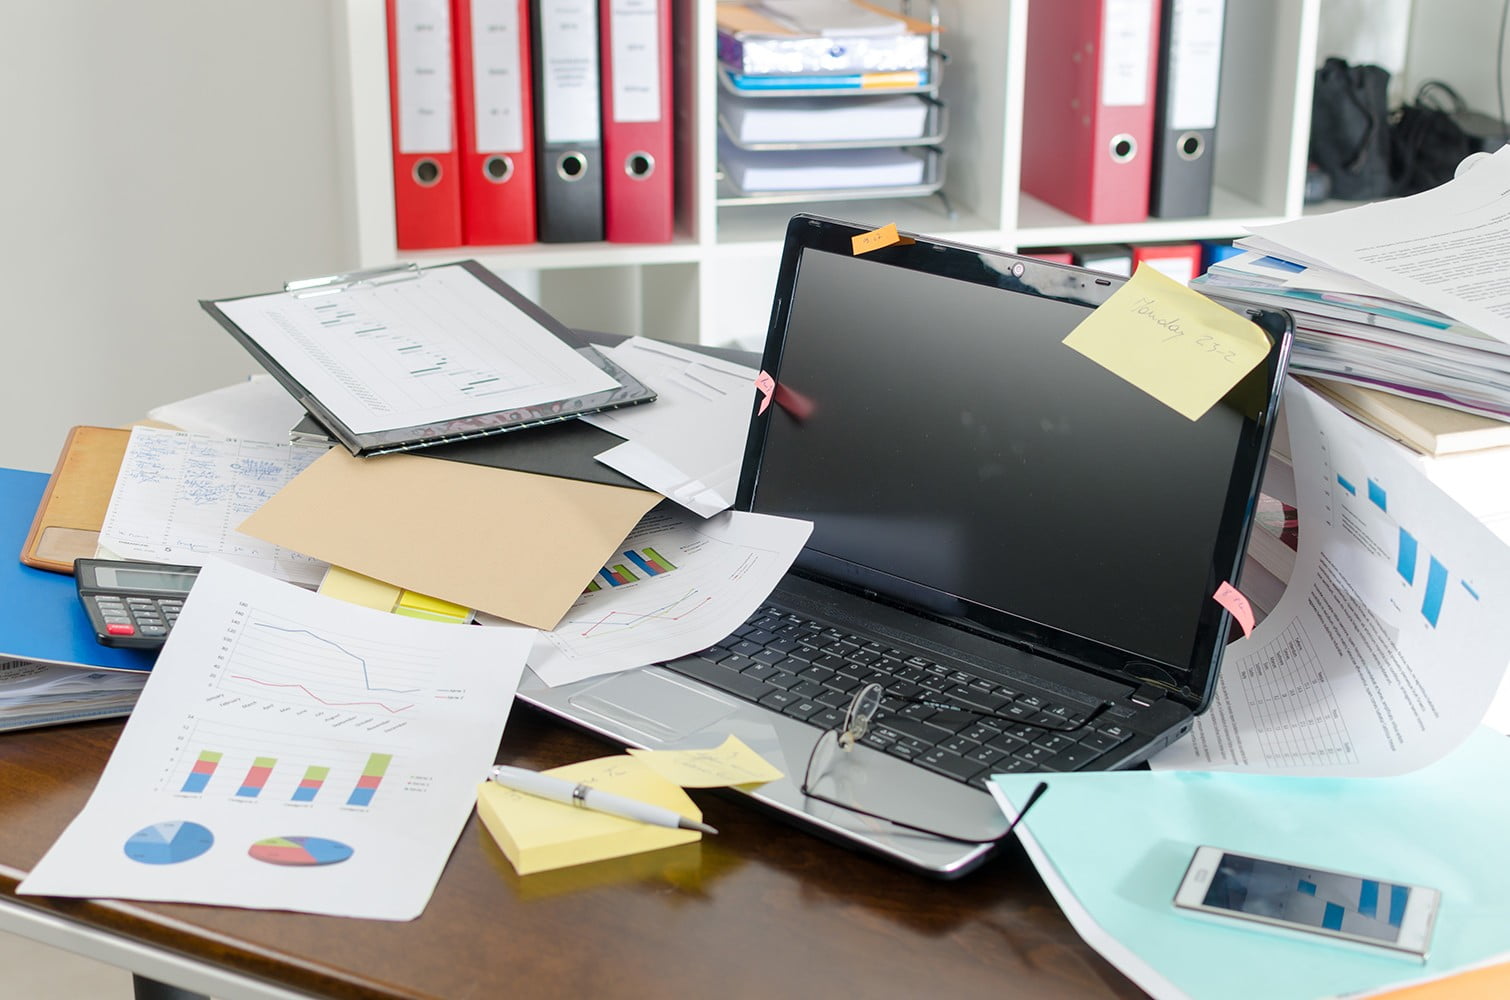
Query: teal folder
(40, 615)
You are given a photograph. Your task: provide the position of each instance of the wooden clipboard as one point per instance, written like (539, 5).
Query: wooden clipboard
(68, 520)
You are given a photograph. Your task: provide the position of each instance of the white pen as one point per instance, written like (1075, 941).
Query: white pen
(587, 797)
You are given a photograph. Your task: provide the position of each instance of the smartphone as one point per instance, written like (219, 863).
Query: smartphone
(1313, 901)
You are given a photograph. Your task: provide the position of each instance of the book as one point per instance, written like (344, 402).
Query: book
(1421, 426)
(401, 358)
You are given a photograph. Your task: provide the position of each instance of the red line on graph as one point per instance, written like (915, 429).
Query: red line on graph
(332, 704)
(635, 619)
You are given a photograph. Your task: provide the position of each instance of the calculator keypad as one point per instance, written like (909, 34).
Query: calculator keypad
(148, 617)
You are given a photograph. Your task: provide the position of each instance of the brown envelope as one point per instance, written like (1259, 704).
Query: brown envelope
(513, 544)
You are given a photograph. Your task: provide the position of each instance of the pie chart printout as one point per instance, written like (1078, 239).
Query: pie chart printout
(169, 843)
(300, 852)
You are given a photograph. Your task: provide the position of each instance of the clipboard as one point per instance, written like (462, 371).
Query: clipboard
(341, 341)
(68, 519)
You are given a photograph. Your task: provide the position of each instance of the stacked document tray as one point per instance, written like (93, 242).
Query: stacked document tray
(827, 101)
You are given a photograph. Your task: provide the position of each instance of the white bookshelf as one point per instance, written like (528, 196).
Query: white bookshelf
(713, 282)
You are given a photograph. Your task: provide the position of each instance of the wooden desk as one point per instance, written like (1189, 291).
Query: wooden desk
(762, 910)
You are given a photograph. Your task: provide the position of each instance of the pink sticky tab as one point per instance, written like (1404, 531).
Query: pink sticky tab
(1230, 598)
(766, 385)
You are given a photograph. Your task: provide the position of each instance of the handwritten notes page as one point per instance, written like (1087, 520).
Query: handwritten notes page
(732, 763)
(1173, 343)
(179, 497)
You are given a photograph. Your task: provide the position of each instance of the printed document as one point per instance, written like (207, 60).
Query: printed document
(293, 752)
(690, 444)
(426, 350)
(679, 584)
(179, 498)
(1392, 637)
(1445, 248)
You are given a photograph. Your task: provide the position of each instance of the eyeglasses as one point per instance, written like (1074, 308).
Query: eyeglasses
(863, 709)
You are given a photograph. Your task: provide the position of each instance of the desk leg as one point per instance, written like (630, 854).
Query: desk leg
(151, 989)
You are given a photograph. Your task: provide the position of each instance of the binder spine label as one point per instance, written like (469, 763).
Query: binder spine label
(1126, 48)
(569, 33)
(636, 61)
(1195, 63)
(423, 45)
(497, 86)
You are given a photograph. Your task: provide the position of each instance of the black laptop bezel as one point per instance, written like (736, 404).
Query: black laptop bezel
(1192, 684)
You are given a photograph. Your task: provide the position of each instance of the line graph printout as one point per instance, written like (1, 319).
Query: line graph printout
(678, 584)
(438, 347)
(273, 712)
(1392, 636)
(179, 498)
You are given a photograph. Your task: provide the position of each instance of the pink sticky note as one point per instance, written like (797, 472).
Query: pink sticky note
(766, 385)
(1230, 598)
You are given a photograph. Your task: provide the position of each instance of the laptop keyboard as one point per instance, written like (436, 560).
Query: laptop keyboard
(810, 670)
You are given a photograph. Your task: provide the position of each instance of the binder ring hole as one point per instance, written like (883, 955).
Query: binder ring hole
(571, 166)
(498, 169)
(426, 172)
(1191, 146)
(639, 165)
(1124, 148)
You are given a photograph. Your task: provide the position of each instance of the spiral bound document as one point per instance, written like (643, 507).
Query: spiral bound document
(406, 357)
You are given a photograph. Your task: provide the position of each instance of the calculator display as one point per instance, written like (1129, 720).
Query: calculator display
(130, 578)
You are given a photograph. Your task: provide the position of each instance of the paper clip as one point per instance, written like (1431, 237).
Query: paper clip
(305, 287)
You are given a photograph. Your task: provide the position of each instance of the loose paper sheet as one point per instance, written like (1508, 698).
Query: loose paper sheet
(1173, 343)
(1444, 248)
(1437, 828)
(292, 752)
(180, 497)
(678, 584)
(690, 443)
(1392, 636)
(516, 545)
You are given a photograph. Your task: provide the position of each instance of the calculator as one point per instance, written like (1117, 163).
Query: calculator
(132, 604)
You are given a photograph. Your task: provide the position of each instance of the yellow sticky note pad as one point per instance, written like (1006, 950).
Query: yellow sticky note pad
(354, 588)
(733, 763)
(538, 834)
(1170, 341)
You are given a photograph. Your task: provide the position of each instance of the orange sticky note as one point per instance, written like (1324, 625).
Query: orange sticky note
(1232, 599)
(886, 236)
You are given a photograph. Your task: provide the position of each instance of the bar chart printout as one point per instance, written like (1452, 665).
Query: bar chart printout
(310, 784)
(240, 743)
(372, 777)
(204, 770)
(256, 777)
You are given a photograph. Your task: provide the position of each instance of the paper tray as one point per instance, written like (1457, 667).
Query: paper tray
(933, 180)
(934, 128)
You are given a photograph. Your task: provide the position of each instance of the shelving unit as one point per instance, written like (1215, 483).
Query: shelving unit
(713, 282)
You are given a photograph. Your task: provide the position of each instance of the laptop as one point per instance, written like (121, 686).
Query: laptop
(1018, 545)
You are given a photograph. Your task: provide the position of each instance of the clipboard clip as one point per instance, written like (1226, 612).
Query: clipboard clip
(371, 276)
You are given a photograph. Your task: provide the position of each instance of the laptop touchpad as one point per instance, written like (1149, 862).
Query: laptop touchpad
(654, 704)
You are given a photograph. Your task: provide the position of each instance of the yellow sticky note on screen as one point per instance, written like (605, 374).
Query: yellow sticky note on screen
(733, 763)
(1170, 341)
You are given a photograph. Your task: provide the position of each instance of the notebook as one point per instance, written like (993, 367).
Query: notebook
(1023, 545)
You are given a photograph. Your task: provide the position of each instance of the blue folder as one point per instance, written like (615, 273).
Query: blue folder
(40, 614)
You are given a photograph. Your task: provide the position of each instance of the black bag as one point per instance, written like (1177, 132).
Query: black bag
(1350, 129)
(1428, 143)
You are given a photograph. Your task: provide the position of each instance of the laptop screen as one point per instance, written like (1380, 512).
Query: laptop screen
(953, 455)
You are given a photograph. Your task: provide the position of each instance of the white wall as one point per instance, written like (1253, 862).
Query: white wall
(155, 153)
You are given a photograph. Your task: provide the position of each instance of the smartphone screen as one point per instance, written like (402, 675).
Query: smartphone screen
(1309, 897)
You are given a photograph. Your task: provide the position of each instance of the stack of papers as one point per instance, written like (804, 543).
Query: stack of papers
(1406, 296)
